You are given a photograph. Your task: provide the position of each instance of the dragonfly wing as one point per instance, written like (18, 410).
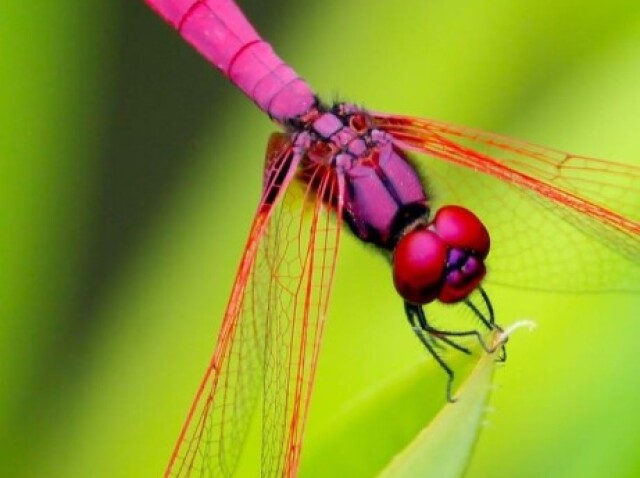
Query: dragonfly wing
(213, 434)
(300, 249)
(271, 332)
(560, 222)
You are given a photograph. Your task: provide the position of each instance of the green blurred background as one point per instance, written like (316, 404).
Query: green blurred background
(130, 170)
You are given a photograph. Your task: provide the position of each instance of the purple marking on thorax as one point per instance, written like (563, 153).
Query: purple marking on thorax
(401, 175)
(381, 185)
(357, 147)
(344, 137)
(219, 30)
(383, 194)
(344, 161)
(327, 124)
(371, 205)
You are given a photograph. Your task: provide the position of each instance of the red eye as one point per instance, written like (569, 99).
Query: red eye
(419, 262)
(461, 228)
(358, 123)
(444, 260)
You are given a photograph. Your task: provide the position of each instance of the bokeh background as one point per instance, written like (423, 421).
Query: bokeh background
(130, 170)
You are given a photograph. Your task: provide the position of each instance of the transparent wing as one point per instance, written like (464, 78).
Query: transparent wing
(557, 221)
(270, 334)
(214, 432)
(300, 252)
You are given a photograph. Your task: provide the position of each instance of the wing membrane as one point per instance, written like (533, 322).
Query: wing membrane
(300, 247)
(214, 432)
(271, 332)
(558, 221)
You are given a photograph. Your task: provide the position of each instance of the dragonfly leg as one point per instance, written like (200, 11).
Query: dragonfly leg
(448, 341)
(488, 322)
(430, 336)
(445, 334)
(418, 322)
(442, 334)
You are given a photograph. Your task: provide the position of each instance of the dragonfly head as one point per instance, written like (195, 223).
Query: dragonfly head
(443, 259)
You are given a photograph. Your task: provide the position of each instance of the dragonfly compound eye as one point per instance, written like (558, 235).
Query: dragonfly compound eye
(419, 262)
(444, 260)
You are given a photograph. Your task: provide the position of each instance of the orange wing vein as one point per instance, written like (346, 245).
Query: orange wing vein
(300, 247)
(560, 221)
(268, 342)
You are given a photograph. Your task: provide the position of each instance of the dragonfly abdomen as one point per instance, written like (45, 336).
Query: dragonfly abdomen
(221, 33)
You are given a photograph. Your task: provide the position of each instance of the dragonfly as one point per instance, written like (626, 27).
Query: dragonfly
(571, 223)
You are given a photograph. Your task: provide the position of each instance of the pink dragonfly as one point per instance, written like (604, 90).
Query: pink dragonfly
(576, 218)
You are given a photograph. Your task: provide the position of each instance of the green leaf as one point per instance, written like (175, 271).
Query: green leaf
(443, 447)
(410, 429)
(393, 414)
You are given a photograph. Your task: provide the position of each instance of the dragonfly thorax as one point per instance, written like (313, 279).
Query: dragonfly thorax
(384, 202)
(383, 194)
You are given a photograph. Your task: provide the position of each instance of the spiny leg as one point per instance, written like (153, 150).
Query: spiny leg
(489, 323)
(424, 325)
(428, 334)
(487, 302)
(492, 321)
(444, 334)
(418, 322)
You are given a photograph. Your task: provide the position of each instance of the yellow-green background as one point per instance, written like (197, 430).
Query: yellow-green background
(129, 171)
